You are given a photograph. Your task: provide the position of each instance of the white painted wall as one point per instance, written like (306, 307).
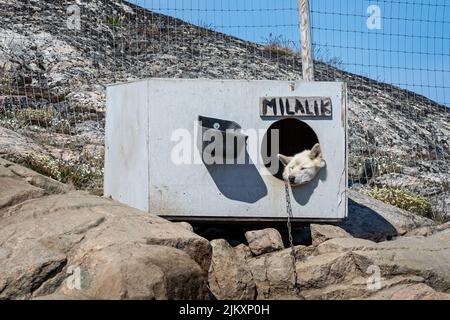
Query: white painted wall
(126, 152)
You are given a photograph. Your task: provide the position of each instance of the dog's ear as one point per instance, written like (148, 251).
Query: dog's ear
(284, 160)
(315, 152)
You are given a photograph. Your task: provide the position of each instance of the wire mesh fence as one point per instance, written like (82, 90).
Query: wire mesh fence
(57, 56)
(399, 134)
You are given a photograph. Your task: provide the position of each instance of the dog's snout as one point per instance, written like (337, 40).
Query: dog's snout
(292, 179)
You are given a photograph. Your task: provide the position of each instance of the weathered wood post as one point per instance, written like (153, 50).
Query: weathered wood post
(305, 40)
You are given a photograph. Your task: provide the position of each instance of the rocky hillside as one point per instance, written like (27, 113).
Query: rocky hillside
(52, 91)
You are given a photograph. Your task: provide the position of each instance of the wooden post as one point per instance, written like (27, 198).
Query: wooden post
(305, 40)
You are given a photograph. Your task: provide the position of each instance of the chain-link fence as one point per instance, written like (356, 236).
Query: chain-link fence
(57, 56)
(399, 102)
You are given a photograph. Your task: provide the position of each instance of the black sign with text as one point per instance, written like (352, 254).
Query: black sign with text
(296, 107)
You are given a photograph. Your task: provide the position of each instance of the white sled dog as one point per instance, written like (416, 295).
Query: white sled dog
(302, 167)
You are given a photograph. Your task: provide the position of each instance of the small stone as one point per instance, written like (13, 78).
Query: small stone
(264, 241)
(322, 232)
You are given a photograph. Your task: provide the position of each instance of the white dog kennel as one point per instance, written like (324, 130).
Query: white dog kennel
(158, 136)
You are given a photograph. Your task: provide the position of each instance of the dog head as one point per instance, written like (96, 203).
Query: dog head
(302, 167)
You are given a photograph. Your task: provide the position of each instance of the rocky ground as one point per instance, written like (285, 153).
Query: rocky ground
(50, 235)
(335, 266)
(58, 243)
(52, 92)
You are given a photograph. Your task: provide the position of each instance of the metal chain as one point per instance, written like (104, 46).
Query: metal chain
(291, 240)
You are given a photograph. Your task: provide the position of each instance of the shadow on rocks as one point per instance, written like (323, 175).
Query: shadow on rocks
(234, 234)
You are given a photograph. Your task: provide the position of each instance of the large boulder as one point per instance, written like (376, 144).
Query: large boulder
(229, 275)
(372, 219)
(140, 271)
(115, 252)
(403, 261)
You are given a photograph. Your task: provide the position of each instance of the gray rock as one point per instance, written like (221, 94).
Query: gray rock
(229, 275)
(48, 184)
(320, 274)
(16, 146)
(15, 191)
(323, 232)
(419, 291)
(443, 226)
(243, 251)
(342, 268)
(264, 241)
(139, 271)
(422, 231)
(63, 297)
(427, 257)
(119, 252)
(372, 219)
(274, 275)
(186, 225)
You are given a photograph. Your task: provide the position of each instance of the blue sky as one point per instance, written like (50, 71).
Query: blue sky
(411, 50)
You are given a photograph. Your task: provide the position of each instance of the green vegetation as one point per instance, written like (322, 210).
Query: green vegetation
(403, 199)
(42, 117)
(114, 21)
(375, 166)
(43, 165)
(84, 175)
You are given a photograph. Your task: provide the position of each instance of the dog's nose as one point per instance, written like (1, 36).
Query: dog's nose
(292, 180)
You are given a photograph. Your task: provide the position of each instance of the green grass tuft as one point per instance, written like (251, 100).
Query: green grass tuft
(403, 199)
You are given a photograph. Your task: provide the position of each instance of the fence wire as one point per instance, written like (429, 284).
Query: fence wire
(57, 56)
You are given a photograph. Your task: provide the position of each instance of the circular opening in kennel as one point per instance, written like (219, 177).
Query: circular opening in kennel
(294, 136)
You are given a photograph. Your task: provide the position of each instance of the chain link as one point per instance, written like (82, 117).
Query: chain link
(291, 240)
